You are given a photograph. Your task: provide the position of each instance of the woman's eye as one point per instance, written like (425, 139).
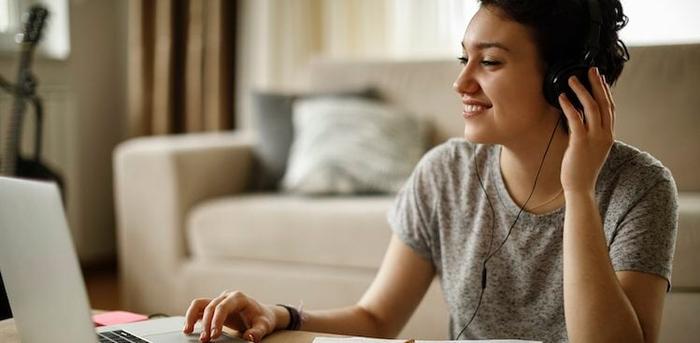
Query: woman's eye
(487, 63)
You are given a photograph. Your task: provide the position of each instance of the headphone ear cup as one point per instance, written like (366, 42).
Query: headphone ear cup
(549, 88)
(557, 81)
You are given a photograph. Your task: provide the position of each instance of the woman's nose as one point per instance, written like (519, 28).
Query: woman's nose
(465, 82)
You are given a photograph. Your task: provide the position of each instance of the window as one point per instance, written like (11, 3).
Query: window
(55, 41)
(435, 28)
(661, 22)
(9, 16)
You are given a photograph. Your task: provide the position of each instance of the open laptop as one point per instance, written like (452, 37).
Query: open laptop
(43, 280)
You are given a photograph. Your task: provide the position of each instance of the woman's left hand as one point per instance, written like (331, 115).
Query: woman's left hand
(589, 140)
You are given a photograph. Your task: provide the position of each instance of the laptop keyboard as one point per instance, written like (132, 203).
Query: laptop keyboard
(119, 336)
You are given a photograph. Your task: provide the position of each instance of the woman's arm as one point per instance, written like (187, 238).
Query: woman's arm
(388, 304)
(599, 305)
(396, 291)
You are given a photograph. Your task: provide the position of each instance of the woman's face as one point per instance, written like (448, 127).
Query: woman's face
(501, 82)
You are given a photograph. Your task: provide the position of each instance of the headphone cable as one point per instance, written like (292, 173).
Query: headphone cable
(489, 255)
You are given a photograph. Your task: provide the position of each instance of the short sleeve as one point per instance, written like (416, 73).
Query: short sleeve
(411, 213)
(646, 236)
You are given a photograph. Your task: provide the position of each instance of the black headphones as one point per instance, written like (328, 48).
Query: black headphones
(557, 76)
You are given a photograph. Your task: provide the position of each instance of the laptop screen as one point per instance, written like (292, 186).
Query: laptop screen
(39, 265)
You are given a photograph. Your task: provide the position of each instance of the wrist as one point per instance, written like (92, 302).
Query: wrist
(579, 199)
(571, 194)
(281, 315)
(295, 317)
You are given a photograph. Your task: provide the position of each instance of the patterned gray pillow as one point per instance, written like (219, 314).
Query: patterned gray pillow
(351, 146)
(272, 116)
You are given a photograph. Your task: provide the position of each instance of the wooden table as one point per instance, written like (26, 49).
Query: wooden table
(8, 334)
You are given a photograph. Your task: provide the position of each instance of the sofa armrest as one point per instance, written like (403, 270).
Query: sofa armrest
(157, 180)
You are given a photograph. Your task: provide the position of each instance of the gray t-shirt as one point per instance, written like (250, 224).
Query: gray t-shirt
(443, 215)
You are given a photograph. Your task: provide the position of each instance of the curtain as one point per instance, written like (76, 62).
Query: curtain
(181, 57)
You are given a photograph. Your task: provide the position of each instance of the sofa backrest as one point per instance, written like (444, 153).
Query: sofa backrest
(657, 99)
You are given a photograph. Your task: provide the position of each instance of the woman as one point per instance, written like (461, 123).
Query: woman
(538, 228)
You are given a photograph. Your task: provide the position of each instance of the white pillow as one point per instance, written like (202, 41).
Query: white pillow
(351, 145)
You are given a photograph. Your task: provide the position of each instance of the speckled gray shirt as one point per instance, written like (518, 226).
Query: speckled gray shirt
(443, 215)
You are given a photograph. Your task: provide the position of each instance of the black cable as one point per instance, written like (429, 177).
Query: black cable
(489, 255)
(493, 213)
(537, 176)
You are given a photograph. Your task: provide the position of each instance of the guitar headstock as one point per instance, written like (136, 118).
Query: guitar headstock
(33, 25)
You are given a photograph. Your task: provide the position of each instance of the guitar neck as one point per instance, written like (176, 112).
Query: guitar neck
(14, 127)
(24, 88)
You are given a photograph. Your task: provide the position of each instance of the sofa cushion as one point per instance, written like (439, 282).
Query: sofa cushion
(272, 115)
(336, 231)
(352, 146)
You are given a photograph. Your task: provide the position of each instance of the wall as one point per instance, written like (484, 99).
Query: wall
(98, 79)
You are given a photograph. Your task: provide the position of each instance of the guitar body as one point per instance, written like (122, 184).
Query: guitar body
(32, 169)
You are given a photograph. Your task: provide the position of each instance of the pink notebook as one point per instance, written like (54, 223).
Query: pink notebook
(117, 317)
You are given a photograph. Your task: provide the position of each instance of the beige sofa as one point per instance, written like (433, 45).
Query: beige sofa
(187, 228)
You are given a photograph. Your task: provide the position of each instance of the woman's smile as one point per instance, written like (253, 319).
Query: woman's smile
(473, 108)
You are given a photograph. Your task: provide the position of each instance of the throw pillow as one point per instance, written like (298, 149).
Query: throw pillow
(272, 115)
(351, 146)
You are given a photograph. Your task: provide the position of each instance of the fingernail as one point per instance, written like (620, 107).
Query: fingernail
(597, 71)
(213, 332)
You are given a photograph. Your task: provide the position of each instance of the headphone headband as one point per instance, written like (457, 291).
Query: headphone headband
(555, 81)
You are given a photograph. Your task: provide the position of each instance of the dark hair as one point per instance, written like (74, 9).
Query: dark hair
(561, 27)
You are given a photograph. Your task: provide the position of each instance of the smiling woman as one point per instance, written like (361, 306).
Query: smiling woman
(536, 230)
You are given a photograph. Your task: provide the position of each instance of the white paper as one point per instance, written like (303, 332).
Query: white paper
(373, 340)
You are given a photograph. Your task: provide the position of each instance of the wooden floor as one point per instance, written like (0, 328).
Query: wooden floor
(103, 287)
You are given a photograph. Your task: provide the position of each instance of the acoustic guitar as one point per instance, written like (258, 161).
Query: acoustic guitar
(12, 163)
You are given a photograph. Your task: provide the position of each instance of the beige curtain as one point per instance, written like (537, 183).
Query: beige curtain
(180, 66)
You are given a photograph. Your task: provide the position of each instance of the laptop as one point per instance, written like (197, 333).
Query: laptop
(44, 282)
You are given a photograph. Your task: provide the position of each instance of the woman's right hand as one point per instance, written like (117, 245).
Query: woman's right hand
(233, 309)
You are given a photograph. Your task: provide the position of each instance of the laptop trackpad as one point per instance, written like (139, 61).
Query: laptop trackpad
(179, 337)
